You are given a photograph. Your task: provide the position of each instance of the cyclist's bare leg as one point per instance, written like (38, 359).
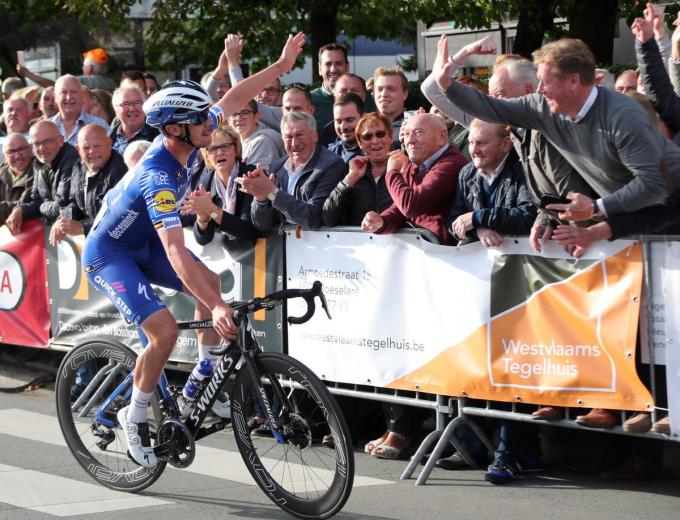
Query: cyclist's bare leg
(201, 312)
(161, 330)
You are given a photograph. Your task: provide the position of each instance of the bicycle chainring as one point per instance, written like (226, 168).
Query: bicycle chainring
(180, 443)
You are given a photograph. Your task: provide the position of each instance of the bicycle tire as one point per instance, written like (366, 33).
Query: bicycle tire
(110, 466)
(285, 471)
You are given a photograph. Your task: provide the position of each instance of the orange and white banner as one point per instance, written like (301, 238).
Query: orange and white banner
(504, 324)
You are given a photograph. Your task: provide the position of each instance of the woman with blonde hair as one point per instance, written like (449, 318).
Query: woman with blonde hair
(218, 203)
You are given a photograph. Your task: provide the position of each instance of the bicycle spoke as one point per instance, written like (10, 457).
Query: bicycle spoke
(100, 449)
(308, 479)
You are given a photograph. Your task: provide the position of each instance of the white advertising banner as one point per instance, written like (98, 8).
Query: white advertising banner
(653, 322)
(502, 323)
(670, 276)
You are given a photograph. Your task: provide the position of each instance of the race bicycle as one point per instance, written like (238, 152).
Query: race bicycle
(291, 466)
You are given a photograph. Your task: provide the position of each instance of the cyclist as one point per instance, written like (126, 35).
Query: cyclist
(137, 237)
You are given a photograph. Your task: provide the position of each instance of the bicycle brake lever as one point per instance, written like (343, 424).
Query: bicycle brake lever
(317, 288)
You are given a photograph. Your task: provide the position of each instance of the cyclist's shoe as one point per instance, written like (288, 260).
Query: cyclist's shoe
(138, 440)
(222, 406)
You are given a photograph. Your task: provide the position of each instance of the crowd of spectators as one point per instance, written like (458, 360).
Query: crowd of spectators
(348, 153)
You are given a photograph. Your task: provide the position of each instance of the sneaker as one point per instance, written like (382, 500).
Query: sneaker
(262, 430)
(501, 472)
(138, 440)
(455, 462)
(222, 406)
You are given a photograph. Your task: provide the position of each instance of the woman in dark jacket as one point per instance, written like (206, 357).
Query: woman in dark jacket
(363, 189)
(217, 202)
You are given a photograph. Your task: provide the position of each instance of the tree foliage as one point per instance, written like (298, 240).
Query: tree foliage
(184, 32)
(25, 24)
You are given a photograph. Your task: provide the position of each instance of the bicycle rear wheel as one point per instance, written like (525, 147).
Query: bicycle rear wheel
(98, 443)
(299, 475)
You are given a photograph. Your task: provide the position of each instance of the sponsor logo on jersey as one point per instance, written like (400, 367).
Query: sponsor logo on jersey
(124, 224)
(164, 201)
(168, 223)
(161, 178)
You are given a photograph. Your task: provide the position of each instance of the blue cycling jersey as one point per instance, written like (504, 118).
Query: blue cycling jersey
(147, 198)
(123, 253)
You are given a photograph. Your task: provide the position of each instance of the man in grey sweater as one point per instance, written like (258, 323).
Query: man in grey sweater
(606, 137)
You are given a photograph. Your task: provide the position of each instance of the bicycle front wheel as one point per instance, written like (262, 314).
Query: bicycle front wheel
(297, 472)
(88, 375)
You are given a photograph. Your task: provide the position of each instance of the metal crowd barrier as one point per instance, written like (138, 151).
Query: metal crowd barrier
(452, 412)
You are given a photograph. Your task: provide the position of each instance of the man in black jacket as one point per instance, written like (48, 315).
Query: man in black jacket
(98, 170)
(492, 199)
(51, 179)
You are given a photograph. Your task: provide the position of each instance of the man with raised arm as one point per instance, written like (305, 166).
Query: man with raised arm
(545, 169)
(295, 97)
(137, 238)
(608, 138)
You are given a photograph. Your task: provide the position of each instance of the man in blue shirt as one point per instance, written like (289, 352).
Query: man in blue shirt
(68, 93)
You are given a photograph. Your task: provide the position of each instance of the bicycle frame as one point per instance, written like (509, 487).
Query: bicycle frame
(234, 359)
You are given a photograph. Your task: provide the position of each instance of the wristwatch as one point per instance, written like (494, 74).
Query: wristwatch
(596, 208)
(214, 213)
(272, 194)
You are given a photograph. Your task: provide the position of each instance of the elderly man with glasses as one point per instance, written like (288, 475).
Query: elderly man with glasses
(16, 175)
(130, 122)
(51, 179)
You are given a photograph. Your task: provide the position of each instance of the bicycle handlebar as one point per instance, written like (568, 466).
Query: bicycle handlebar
(272, 301)
(277, 298)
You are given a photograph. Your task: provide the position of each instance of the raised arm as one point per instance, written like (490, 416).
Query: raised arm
(38, 80)
(431, 90)
(517, 112)
(247, 89)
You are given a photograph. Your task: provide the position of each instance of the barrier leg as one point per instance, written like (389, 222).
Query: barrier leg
(446, 436)
(420, 453)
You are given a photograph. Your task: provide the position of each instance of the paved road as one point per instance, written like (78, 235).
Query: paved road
(39, 479)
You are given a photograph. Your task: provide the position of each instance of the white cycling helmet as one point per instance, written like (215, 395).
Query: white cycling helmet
(182, 101)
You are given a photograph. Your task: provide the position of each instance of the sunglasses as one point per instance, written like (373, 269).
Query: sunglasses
(198, 119)
(379, 134)
(299, 86)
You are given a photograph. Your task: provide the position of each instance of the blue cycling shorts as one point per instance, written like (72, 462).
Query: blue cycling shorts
(125, 276)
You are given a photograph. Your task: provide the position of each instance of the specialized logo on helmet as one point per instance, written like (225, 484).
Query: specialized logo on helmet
(168, 102)
(164, 201)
